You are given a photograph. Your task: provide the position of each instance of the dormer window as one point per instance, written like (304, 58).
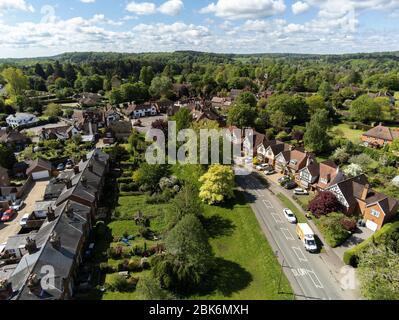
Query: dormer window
(294, 162)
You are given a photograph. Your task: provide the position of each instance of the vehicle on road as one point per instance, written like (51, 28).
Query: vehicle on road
(290, 185)
(289, 215)
(301, 192)
(24, 220)
(306, 235)
(8, 215)
(17, 205)
(270, 171)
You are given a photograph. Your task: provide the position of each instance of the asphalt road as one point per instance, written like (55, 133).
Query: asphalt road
(308, 273)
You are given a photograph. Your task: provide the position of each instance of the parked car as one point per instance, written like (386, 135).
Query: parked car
(289, 215)
(69, 164)
(263, 166)
(270, 171)
(301, 192)
(283, 180)
(290, 185)
(17, 205)
(24, 220)
(8, 215)
(61, 167)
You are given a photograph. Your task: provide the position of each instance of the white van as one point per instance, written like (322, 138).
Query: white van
(306, 235)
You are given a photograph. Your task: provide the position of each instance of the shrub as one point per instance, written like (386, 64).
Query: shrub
(106, 268)
(324, 203)
(137, 251)
(135, 265)
(332, 229)
(349, 224)
(115, 253)
(123, 266)
(145, 264)
(144, 232)
(118, 282)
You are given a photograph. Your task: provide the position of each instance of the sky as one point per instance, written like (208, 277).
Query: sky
(32, 28)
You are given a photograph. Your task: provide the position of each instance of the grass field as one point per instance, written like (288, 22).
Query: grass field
(348, 133)
(246, 267)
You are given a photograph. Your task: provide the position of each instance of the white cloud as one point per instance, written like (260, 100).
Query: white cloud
(171, 7)
(15, 4)
(300, 7)
(88, 1)
(141, 8)
(248, 9)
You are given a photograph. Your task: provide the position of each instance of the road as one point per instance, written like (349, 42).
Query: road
(309, 274)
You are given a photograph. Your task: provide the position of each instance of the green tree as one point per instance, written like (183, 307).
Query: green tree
(53, 110)
(241, 115)
(246, 98)
(148, 175)
(187, 202)
(161, 86)
(315, 103)
(39, 71)
(217, 184)
(115, 96)
(17, 82)
(365, 109)
(7, 157)
(146, 75)
(149, 288)
(183, 119)
(316, 138)
(293, 106)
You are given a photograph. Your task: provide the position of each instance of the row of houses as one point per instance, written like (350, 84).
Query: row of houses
(354, 193)
(44, 264)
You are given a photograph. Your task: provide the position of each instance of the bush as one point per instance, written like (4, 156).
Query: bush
(332, 229)
(128, 187)
(125, 180)
(144, 232)
(137, 251)
(106, 268)
(118, 283)
(324, 203)
(115, 253)
(123, 266)
(134, 265)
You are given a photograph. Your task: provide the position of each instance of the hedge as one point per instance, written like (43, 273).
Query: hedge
(351, 256)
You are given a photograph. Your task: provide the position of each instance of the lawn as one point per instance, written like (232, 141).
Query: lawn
(349, 133)
(247, 266)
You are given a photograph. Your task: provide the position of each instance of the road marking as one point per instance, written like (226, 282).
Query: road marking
(300, 272)
(268, 204)
(315, 279)
(287, 234)
(299, 254)
(277, 218)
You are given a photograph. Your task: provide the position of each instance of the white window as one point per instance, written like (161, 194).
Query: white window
(375, 213)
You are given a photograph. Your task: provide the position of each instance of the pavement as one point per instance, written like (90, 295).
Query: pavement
(321, 276)
(12, 227)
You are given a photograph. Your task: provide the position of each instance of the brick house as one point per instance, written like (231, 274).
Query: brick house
(379, 136)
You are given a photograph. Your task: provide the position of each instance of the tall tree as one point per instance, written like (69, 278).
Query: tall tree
(17, 82)
(146, 75)
(241, 115)
(365, 109)
(316, 138)
(217, 184)
(39, 71)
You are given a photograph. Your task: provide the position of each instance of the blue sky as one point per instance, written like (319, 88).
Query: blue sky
(47, 27)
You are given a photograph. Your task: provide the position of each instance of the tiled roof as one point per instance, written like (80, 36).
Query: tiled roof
(381, 132)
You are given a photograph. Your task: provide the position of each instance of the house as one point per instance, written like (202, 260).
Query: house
(221, 103)
(14, 139)
(41, 208)
(21, 119)
(329, 174)
(252, 141)
(88, 99)
(356, 198)
(273, 150)
(40, 169)
(291, 161)
(4, 177)
(110, 115)
(88, 121)
(141, 110)
(61, 133)
(309, 175)
(121, 130)
(9, 193)
(379, 136)
(60, 243)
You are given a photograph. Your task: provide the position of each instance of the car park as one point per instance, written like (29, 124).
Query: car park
(17, 205)
(289, 215)
(301, 192)
(8, 215)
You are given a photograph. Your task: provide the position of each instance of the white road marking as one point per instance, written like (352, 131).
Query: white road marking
(287, 234)
(300, 255)
(277, 218)
(300, 272)
(315, 279)
(268, 204)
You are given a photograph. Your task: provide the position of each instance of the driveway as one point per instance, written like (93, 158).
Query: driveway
(35, 194)
(312, 276)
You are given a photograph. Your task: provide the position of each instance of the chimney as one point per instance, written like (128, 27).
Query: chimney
(34, 285)
(365, 192)
(30, 245)
(50, 214)
(55, 240)
(68, 183)
(76, 169)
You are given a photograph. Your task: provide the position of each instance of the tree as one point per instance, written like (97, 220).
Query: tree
(39, 71)
(315, 104)
(7, 157)
(292, 106)
(115, 96)
(316, 138)
(324, 203)
(325, 90)
(17, 82)
(188, 256)
(246, 98)
(378, 271)
(148, 175)
(183, 119)
(70, 74)
(217, 184)
(353, 170)
(146, 75)
(137, 92)
(278, 120)
(187, 202)
(161, 86)
(162, 125)
(365, 109)
(241, 115)
(53, 110)
(340, 155)
(149, 288)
